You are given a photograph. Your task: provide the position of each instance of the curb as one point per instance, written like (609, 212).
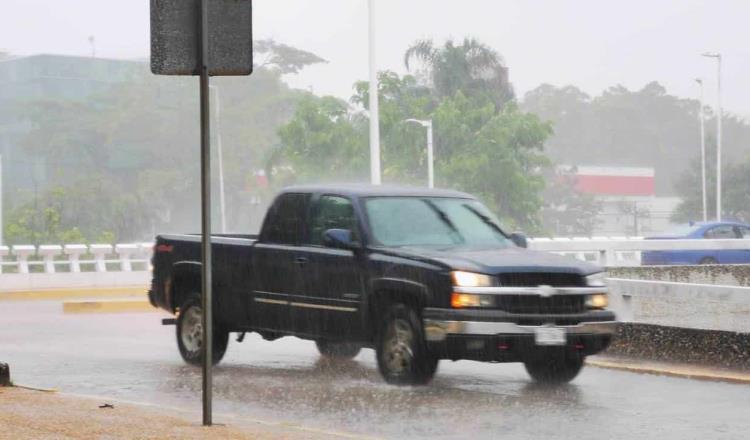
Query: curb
(108, 306)
(281, 424)
(57, 294)
(672, 370)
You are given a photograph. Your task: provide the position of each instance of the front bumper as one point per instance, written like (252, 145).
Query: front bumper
(493, 335)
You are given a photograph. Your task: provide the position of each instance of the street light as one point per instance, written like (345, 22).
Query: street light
(222, 205)
(703, 151)
(430, 159)
(374, 110)
(717, 56)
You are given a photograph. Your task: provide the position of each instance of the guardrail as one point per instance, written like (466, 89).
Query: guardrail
(126, 257)
(624, 251)
(75, 258)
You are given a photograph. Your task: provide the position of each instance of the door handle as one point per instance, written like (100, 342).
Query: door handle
(301, 261)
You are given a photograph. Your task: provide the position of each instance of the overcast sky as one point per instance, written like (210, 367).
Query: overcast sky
(592, 44)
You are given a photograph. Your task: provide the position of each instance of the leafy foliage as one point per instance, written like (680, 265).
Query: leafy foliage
(471, 67)
(646, 128)
(123, 164)
(496, 154)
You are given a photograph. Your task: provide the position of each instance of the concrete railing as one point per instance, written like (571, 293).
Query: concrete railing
(25, 267)
(624, 251)
(72, 257)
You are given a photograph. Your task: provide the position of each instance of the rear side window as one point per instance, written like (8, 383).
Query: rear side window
(723, 231)
(285, 223)
(744, 232)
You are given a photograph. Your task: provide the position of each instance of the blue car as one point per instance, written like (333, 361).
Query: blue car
(701, 230)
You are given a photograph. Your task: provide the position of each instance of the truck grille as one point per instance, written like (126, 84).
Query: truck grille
(534, 304)
(535, 279)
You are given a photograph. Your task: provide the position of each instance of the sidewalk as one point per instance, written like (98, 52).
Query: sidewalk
(45, 415)
(674, 369)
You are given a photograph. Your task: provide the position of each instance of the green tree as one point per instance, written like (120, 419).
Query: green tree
(324, 140)
(496, 155)
(567, 211)
(641, 128)
(471, 67)
(735, 189)
(126, 159)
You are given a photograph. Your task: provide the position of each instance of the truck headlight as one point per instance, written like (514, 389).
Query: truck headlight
(597, 279)
(597, 301)
(471, 279)
(467, 300)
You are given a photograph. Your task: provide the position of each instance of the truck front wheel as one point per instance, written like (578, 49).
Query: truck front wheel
(403, 357)
(552, 370)
(190, 334)
(337, 350)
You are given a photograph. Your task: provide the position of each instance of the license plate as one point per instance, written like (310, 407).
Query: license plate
(549, 336)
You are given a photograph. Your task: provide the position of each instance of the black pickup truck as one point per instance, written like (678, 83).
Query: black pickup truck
(417, 274)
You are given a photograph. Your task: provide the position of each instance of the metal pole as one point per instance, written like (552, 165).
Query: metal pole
(374, 110)
(222, 202)
(703, 154)
(718, 138)
(1, 200)
(207, 323)
(430, 157)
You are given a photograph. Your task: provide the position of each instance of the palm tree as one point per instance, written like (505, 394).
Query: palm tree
(471, 67)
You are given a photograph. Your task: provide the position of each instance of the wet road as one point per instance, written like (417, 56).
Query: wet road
(133, 357)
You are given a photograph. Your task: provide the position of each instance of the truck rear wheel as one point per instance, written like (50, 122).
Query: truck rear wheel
(190, 334)
(337, 350)
(557, 369)
(402, 354)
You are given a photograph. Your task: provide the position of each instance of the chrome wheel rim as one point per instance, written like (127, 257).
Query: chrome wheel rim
(398, 354)
(192, 330)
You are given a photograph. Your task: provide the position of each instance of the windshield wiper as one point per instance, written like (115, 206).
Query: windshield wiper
(486, 219)
(445, 219)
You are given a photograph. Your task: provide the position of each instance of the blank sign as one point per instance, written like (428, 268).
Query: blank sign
(175, 37)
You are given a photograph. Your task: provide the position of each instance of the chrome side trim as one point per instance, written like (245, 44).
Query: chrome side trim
(271, 301)
(541, 290)
(438, 330)
(323, 307)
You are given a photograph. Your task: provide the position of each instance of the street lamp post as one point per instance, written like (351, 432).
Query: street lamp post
(222, 204)
(430, 158)
(717, 56)
(374, 110)
(703, 152)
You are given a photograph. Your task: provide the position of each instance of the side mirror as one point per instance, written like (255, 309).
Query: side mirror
(339, 238)
(519, 239)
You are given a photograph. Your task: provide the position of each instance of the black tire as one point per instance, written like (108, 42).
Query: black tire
(554, 369)
(189, 342)
(401, 350)
(337, 350)
(708, 260)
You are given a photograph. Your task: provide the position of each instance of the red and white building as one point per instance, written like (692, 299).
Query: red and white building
(630, 206)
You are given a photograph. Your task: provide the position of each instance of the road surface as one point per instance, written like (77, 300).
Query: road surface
(133, 357)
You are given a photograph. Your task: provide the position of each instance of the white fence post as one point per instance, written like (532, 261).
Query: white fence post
(3, 253)
(100, 252)
(125, 252)
(48, 253)
(74, 252)
(22, 253)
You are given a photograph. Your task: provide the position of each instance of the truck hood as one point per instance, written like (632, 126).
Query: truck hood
(495, 261)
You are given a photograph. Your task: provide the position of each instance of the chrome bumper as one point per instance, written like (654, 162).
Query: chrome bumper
(439, 330)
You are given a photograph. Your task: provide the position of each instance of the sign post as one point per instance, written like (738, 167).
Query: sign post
(204, 38)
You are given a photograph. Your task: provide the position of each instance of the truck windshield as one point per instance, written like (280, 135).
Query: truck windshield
(433, 221)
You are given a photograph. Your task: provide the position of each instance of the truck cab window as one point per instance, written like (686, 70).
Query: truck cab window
(332, 212)
(286, 219)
